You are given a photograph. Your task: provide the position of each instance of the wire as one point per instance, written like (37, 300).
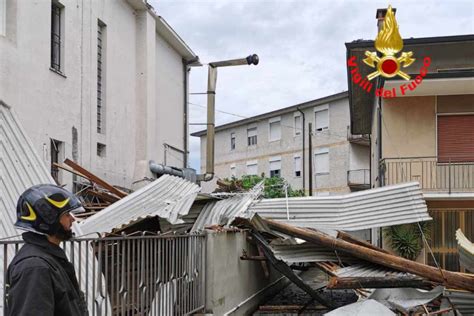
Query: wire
(327, 132)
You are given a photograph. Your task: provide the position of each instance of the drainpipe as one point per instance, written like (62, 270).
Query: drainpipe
(304, 165)
(186, 71)
(310, 160)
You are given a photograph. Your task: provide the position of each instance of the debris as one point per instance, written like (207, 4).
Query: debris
(95, 178)
(362, 308)
(405, 299)
(451, 279)
(466, 251)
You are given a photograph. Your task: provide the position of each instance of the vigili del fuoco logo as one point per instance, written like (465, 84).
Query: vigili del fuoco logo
(387, 64)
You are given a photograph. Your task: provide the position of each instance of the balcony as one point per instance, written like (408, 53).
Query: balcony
(358, 179)
(433, 175)
(357, 139)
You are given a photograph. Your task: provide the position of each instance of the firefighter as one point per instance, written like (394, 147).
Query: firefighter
(40, 279)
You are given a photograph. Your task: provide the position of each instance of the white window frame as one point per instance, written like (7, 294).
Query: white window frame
(298, 129)
(256, 135)
(274, 159)
(321, 151)
(251, 163)
(270, 122)
(297, 156)
(320, 108)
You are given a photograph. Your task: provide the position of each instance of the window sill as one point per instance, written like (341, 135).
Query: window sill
(322, 174)
(57, 72)
(274, 140)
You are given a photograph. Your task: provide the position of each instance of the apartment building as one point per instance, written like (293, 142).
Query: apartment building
(103, 83)
(272, 144)
(425, 134)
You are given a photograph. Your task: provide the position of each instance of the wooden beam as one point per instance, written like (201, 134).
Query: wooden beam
(92, 177)
(345, 236)
(450, 279)
(376, 282)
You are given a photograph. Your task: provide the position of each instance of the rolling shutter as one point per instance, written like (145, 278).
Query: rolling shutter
(456, 138)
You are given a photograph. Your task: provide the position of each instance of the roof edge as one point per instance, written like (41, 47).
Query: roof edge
(307, 104)
(416, 41)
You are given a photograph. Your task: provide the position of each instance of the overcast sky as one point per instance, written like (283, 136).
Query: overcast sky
(300, 45)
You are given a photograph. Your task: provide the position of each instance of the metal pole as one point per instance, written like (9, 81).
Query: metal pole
(310, 160)
(304, 165)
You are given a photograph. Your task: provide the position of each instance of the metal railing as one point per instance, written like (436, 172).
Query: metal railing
(432, 174)
(134, 275)
(358, 177)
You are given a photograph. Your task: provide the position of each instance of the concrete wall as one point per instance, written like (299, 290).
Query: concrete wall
(229, 280)
(143, 88)
(335, 139)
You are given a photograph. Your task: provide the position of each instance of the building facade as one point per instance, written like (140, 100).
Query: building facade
(272, 144)
(426, 134)
(103, 83)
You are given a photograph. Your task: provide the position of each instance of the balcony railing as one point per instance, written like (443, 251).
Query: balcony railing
(358, 179)
(433, 175)
(358, 139)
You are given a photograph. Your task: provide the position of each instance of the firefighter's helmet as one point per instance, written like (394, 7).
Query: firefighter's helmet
(40, 207)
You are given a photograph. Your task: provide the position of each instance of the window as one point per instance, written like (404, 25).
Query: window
(252, 168)
(232, 170)
(3, 17)
(297, 166)
(321, 161)
(101, 150)
(275, 129)
(232, 141)
(275, 167)
(56, 157)
(297, 125)
(455, 138)
(100, 77)
(252, 136)
(56, 36)
(321, 118)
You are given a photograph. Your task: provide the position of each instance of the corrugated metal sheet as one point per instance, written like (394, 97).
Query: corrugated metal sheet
(462, 301)
(386, 206)
(368, 270)
(168, 197)
(405, 299)
(306, 252)
(466, 251)
(21, 168)
(362, 308)
(223, 212)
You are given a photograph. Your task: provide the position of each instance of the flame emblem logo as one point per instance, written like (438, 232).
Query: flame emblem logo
(389, 43)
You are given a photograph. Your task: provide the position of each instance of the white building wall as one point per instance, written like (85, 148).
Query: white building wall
(143, 91)
(342, 156)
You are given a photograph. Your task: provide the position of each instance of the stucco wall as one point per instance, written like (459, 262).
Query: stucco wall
(142, 86)
(229, 280)
(409, 127)
(335, 139)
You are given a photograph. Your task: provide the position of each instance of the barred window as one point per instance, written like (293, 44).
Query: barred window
(56, 35)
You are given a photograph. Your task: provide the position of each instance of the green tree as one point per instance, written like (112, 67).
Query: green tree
(274, 186)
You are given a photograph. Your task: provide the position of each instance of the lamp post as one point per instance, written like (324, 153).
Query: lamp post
(211, 101)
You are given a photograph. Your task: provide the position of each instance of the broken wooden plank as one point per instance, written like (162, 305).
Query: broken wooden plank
(448, 278)
(95, 178)
(377, 282)
(349, 238)
(68, 169)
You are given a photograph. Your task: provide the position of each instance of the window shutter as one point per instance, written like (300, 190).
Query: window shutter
(275, 165)
(456, 138)
(252, 169)
(275, 131)
(322, 120)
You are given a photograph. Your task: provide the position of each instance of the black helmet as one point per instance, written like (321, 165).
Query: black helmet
(40, 207)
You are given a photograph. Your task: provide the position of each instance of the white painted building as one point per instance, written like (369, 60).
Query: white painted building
(104, 83)
(272, 144)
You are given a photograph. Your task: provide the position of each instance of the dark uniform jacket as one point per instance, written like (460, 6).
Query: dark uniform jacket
(41, 281)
